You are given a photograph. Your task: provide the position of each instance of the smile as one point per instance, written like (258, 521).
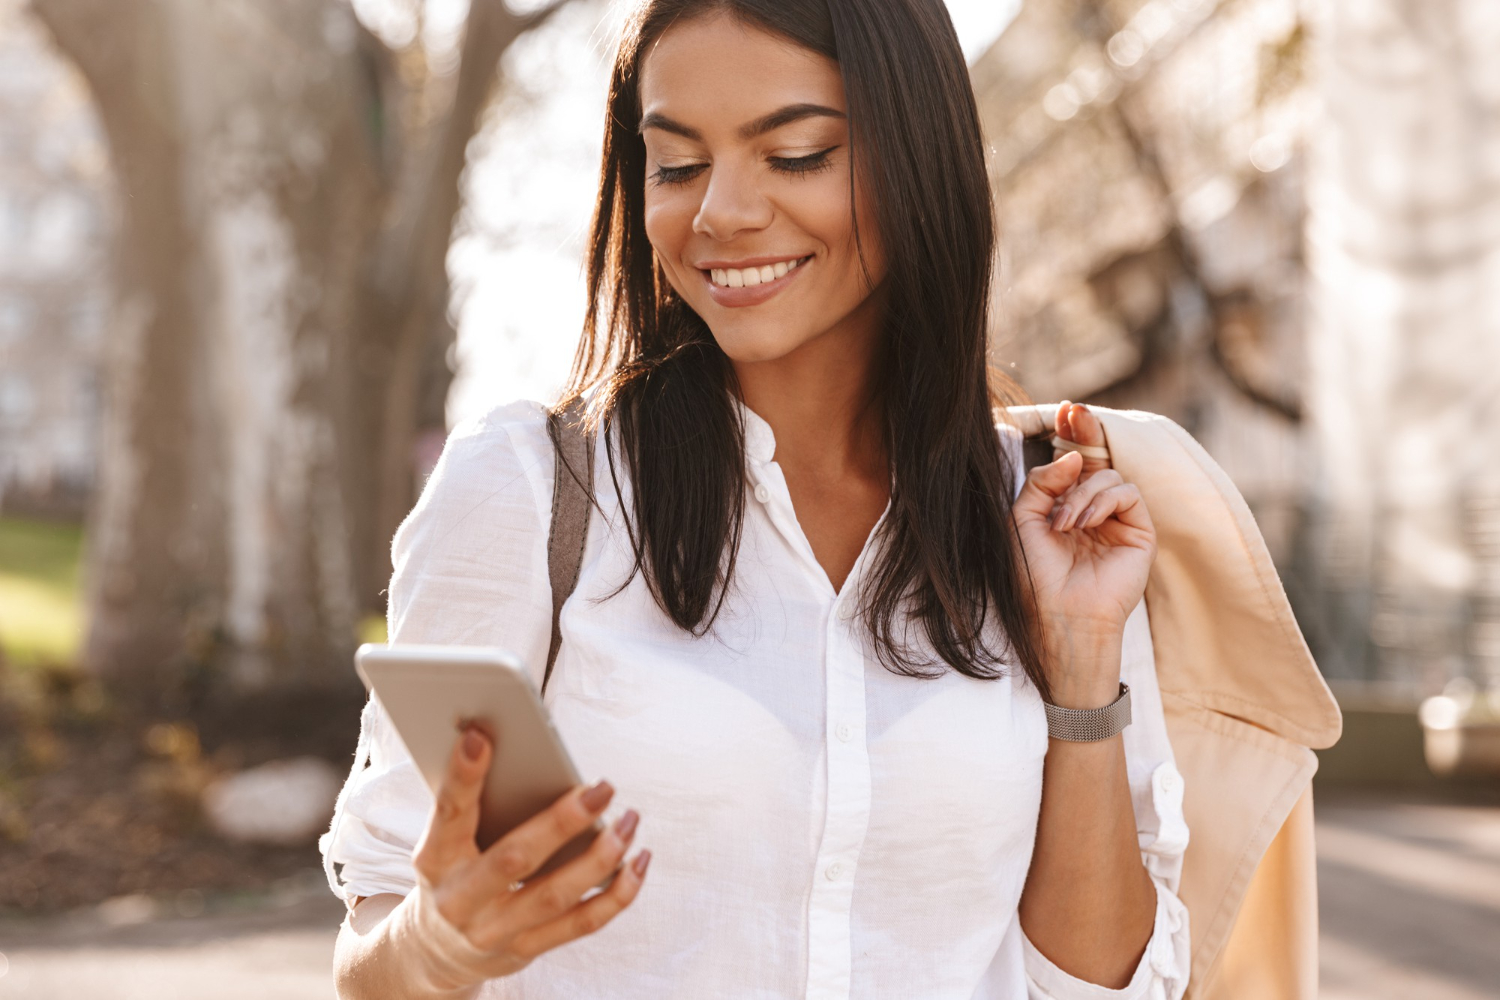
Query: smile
(748, 286)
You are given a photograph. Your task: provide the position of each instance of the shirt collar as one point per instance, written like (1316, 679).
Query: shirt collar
(760, 440)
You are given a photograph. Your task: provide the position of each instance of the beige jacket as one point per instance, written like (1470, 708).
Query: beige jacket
(1245, 704)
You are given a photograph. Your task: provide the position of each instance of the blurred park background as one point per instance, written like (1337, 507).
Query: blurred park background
(257, 256)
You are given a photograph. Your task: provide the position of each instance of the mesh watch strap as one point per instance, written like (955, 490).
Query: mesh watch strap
(1088, 725)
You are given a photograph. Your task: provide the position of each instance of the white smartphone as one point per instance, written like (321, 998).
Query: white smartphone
(432, 692)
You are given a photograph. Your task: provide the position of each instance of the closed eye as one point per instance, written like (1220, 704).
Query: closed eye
(796, 166)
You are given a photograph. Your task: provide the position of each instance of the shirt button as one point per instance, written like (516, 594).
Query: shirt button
(762, 493)
(843, 732)
(1162, 957)
(833, 871)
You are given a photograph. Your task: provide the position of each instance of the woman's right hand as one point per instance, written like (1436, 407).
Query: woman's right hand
(473, 891)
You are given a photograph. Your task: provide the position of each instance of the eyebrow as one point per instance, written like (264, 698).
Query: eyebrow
(760, 126)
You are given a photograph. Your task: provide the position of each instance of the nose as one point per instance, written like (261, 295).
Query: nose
(732, 203)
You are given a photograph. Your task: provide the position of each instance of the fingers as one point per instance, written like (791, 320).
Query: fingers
(449, 838)
(523, 850)
(1062, 422)
(1123, 502)
(558, 892)
(1071, 503)
(590, 915)
(1045, 483)
(1076, 422)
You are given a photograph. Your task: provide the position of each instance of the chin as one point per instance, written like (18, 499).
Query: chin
(751, 346)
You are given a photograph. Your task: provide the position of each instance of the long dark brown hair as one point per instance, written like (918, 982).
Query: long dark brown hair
(947, 560)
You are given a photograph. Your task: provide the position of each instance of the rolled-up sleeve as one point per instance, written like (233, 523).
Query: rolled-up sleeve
(1156, 791)
(380, 815)
(469, 568)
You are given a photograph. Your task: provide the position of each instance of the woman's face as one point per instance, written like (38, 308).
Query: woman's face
(747, 188)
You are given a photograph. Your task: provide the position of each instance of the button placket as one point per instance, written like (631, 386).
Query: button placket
(846, 820)
(846, 811)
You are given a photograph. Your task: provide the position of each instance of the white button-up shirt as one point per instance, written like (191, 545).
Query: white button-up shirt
(820, 826)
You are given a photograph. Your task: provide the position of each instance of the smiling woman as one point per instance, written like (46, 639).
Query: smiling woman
(739, 137)
(823, 619)
(775, 185)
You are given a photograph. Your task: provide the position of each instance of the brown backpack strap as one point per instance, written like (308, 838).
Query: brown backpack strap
(572, 495)
(1036, 451)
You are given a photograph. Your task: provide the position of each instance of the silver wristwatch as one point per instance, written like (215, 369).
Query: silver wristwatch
(1088, 725)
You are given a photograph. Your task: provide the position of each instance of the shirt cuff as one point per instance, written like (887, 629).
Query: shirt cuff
(1160, 975)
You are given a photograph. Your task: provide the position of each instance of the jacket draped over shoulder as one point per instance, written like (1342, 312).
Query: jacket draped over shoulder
(1245, 707)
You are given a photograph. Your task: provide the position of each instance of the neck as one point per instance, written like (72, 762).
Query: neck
(820, 400)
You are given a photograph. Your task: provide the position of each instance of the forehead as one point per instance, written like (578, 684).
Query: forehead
(717, 70)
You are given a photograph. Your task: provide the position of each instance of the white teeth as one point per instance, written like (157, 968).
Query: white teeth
(750, 276)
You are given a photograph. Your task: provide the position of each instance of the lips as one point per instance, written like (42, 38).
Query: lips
(749, 295)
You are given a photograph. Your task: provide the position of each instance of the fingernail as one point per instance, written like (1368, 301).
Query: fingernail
(597, 796)
(1088, 512)
(1060, 515)
(625, 825)
(473, 744)
(641, 861)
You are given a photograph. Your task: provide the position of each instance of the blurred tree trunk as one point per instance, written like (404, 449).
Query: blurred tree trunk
(1404, 249)
(287, 188)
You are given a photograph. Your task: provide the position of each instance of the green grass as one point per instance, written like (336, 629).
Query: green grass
(41, 610)
(371, 628)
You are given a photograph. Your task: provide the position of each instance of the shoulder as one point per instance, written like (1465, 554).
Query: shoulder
(508, 434)
(495, 468)
(468, 564)
(502, 448)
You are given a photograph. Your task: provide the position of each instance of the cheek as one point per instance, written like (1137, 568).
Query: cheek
(669, 226)
(869, 243)
(821, 208)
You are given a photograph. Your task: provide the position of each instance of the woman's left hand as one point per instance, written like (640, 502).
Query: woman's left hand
(1089, 542)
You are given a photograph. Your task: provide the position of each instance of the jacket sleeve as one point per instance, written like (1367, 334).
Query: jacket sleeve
(470, 568)
(1156, 793)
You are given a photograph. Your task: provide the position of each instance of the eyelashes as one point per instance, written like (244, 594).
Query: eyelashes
(796, 166)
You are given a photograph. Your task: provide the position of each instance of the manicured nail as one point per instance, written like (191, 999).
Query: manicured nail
(625, 825)
(473, 744)
(597, 796)
(639, 864)
(1060, 515)
(1088, 512)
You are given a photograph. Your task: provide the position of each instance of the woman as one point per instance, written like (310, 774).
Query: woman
(821, 612)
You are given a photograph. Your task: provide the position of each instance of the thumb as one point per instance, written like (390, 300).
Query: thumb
(1045, 483)
(454, 822)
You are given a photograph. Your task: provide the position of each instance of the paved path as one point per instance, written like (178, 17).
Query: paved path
(1410, 899)
(275, 949)
(1410, 895)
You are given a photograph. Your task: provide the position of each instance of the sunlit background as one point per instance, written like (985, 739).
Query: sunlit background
(257, 257)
